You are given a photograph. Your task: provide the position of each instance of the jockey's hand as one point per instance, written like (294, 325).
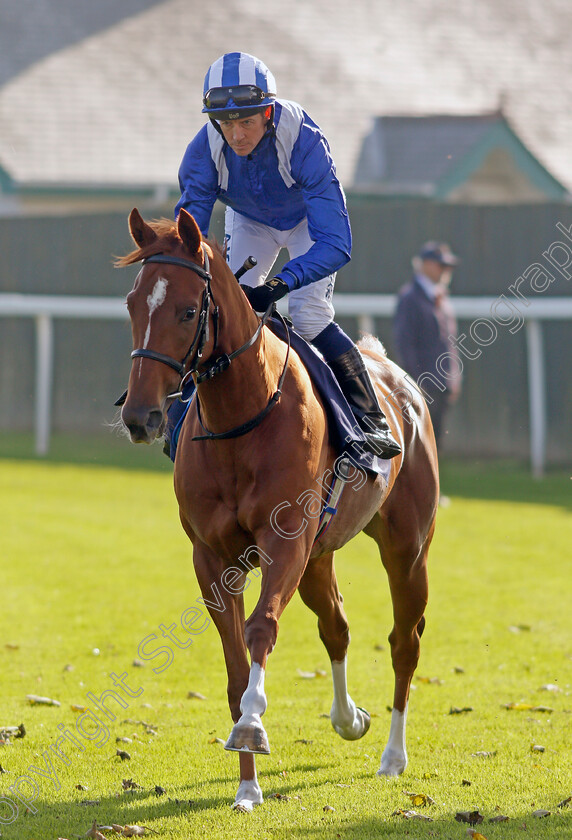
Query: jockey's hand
(269, 292)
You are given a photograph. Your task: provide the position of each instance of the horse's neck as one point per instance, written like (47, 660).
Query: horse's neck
(244, 388)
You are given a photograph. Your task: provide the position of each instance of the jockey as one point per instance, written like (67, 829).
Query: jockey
(270, 164)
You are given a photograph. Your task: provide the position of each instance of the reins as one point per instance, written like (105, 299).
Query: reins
(272, 402)
(195, 351)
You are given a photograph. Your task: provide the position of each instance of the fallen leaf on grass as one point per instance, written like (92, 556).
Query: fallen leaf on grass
(563, 804)
(456, 710)
(195, 695)
(129, 784)
(282, 797)
(124, 756)
(328, 808)
(303, 741)
(520, 628)
(550, 687)
(36, 700)
(7, 732)
(541, 812)
(483, 754)
(526, 707)
(419, 798)
(309, 675)
(475, 834)
(95, 833)
(537, 748)
(411, 815)
(131, 830)
(471, 817)
(498, 819)
(216, 741)
(429, 680)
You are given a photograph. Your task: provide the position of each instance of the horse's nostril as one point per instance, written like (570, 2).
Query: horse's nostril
(143, 426)
(154, 420)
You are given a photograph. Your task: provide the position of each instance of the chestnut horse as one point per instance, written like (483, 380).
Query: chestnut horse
(244, 472)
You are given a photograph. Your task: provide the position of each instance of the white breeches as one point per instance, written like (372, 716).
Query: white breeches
(310, 307)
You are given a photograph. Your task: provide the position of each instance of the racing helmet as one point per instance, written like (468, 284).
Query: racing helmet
(236, 86)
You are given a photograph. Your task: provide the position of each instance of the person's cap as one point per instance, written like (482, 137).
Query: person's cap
(439, 252)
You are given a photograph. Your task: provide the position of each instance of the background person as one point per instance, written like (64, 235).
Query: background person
(423, 321)
(270, 164)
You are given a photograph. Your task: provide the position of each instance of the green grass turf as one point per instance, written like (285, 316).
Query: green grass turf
(94, 558)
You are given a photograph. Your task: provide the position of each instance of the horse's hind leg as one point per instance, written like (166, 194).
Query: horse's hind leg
(406, 566)
(319, 590)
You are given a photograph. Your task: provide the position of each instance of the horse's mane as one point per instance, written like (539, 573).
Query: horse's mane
(167, 240)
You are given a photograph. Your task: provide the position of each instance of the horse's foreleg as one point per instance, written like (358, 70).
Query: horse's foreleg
(227, 612)
(319, 591)
(281, 571)
(248, 733)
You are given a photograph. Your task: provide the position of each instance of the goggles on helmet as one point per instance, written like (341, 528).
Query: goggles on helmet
(239, 95)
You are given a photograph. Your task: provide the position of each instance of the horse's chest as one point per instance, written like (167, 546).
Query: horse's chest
(210, 503)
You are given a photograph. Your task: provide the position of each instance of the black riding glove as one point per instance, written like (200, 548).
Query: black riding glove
(261, 297)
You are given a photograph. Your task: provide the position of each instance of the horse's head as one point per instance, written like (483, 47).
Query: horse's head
(173, 316)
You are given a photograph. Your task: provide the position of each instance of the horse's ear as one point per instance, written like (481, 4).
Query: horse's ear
(189, 232)
(142, 233)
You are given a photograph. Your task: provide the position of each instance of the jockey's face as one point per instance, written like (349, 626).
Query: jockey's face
(244, 135)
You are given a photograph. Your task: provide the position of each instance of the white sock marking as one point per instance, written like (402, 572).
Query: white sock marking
(253, 700)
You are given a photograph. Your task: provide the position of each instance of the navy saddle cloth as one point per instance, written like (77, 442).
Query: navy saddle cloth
(344, 431)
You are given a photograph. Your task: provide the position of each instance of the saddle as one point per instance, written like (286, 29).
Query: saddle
(345, 433)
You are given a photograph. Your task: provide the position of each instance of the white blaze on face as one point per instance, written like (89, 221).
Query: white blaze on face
(154, 301)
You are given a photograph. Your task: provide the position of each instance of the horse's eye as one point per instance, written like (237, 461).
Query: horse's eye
(189, 314)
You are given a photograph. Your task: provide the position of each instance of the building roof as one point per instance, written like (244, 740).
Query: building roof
(109, 93)
(432, 155)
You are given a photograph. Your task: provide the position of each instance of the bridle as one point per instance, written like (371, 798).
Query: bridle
(194, 354)
(202, 334)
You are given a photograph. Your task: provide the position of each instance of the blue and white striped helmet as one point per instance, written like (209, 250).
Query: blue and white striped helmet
(237, 85)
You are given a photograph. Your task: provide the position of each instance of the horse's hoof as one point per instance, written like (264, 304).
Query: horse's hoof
(366, 720)
(393, 763)
(243, 807)
(251, 738)
(357, 729)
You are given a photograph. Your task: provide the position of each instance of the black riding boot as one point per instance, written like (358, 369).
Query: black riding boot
(353, 378)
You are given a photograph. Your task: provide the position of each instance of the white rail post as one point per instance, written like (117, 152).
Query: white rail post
(366, 325)
(44, 380)
(536, 396)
